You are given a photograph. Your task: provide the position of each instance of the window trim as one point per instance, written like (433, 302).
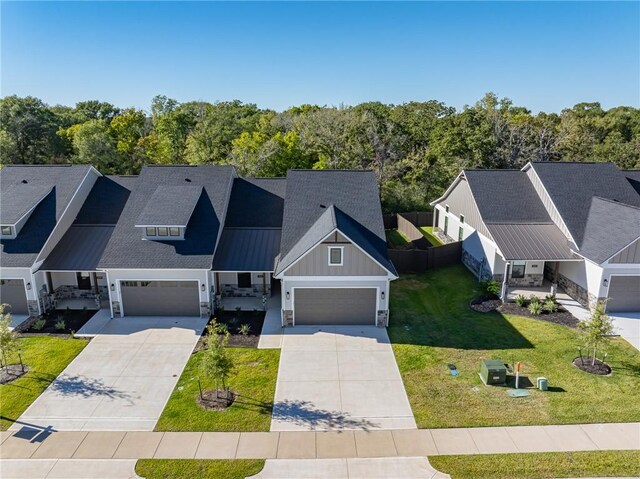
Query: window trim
(460, 233)
(522, 264)
(341, 249)
(446, 208)
(166, 231)
(152, 228)
(10, 233)
(462, 219)
(176, 229)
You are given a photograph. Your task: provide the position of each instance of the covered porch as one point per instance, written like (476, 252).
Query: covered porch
(542, 291)
(75, 290)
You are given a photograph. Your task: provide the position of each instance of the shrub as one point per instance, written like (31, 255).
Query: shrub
(39, 324)
(521, 300)
(550, 306)
(597, 329)
(533, 299)
(490, 287)
(535, 308)
(60, 325)
(551, 297)
(245, 329)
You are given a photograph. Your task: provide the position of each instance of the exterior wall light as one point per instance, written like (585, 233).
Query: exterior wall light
(288, 295)
(605, 283)
(202, 287)
(382, 295)
(113, 287)
(29, 286)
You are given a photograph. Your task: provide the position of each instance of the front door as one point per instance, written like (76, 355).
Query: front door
(244, 280)
(84, 281)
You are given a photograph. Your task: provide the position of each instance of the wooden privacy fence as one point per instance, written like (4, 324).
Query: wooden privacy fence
(421, 260)
(416, 218)
(412, 233)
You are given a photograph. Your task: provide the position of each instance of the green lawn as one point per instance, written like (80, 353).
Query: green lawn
(427, 232)
(198, 468)
(540, 465)
(46, 357)
(254, 382)
(432, 326)
(397, 240)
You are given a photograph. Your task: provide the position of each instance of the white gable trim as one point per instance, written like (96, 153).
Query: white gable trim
(281, 274)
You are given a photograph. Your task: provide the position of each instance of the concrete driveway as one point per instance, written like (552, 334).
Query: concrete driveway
(627, 325)
(121, 380)
(339, 377)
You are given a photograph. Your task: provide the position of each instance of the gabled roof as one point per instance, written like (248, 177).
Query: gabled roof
(61, 182)
(318, 201)
(82, 246)
(572, 186)
(611, 226)
(127, 248)
(170, 205)
(18, 200)
(633, 177)
(506, 197)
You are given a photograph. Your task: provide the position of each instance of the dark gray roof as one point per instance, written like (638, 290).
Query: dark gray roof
(63, 182)
(507, 197)
(531, 241)
(82, 246)
(571, 187)
(170, 205)
(127, 249)
(601, 241)
(633, 177)
(247, 249)
(353, 195)
(256, 203)
(79, 249)
(17, 200)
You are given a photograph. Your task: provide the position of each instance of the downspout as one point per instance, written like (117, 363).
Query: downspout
(505, 289)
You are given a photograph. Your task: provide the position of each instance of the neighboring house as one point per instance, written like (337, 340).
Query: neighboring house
(575, 225)
(176, 239)
(37, 206)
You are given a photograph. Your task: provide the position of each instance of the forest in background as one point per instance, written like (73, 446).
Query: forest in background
(415, 149)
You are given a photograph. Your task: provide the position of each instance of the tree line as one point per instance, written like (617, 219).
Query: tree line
(415, 148)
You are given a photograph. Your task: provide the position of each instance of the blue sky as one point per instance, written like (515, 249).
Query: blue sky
(545, 56)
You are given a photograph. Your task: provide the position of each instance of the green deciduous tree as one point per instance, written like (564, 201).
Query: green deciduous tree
(597, 329)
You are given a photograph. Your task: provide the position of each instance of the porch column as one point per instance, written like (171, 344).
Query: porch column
(264, 283)
(94, 276)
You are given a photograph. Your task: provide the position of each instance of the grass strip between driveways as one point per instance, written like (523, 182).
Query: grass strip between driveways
(254, 381)
(46, 357)
(431, 326)
(540, 465)
(198, 468)
(427, 232)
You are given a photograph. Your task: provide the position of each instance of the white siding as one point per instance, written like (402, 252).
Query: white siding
(546, 201)
(631, 254)
(461, 202)
(63, 278)
(575, 271)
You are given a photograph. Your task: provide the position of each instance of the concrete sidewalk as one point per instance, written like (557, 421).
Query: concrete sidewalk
(29, 443)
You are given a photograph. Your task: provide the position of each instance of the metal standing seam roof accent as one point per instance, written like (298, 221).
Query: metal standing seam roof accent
(531, 242)
(17, 200)
(247, 249)
(170, 205)
(79, 249)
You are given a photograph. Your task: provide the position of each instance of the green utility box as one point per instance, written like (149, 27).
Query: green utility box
(493, 371)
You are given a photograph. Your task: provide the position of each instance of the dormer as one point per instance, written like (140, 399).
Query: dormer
(17, 202)
(168, 211)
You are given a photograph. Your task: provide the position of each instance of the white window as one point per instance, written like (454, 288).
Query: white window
(446, 208)
(150, 231)
(174, 231)
(517, 269)
(163, 231)
(462, 219)
(335, 255)
(7, 231)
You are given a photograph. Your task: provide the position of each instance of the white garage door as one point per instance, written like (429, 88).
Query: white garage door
(624, 294)
(160, 298)
(334, 306)
(12, 292)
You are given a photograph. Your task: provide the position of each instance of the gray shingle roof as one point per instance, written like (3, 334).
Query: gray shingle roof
(571, 187)
(601, 241)
(506, 197)
(633, 177)
(106, 201)
(127, 249)
(531, 241)
(17, 200)
(247, 249)
(170, 205)
(62, 181)
(307, 212)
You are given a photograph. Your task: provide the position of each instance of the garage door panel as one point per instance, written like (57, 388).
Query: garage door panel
(160, 298)
(624, 294)
(334, 306)
(12, 292)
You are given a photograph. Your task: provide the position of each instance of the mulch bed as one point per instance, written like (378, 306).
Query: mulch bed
(234, 321)
(600, 368)
(73, 319)
(484, 304)
(212, 402)
(11, 373)
(562, 316)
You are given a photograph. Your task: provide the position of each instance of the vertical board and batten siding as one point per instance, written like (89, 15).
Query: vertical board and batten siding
(354, 261)
(461, 202)
(546, 201)
(631, 254)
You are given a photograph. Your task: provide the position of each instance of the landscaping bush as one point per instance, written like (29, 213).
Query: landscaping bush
(535, 308)
(533, 299)
(521, 300)
(550, 306)
(60, 325)
(39, 324)
(245, 329)
(490, 288)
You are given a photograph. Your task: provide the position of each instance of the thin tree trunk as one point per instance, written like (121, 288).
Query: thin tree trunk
(593, 361)
(200, 388)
